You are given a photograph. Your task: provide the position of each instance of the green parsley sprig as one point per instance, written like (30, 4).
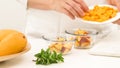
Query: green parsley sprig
(47, 57)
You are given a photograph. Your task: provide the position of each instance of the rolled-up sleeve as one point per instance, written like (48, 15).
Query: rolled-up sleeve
(23, 2)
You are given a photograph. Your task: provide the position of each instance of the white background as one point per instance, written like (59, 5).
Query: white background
(12, 15)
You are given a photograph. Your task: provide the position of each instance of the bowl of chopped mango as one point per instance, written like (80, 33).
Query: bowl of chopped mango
(100, 14)
(84, 38)
(59, 43)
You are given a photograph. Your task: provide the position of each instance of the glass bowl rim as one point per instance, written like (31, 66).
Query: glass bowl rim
(47, 39)
(68, 32)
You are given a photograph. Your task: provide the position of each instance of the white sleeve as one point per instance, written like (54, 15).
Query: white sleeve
(23, 2)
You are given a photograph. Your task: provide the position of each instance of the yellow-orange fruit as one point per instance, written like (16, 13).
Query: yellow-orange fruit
(11, 42)
(100, 14)
(4, 33)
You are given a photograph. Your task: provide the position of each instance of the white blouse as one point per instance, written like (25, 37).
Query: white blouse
(40, 22)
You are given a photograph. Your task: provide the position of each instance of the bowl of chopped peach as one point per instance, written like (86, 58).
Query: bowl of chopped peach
(100, 14)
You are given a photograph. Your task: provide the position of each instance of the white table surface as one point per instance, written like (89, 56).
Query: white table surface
(77, 59)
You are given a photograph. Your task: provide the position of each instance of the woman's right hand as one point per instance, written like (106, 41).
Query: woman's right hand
(72, 8)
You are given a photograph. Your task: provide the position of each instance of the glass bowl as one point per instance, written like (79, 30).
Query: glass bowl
(84, 38)
(59, 43)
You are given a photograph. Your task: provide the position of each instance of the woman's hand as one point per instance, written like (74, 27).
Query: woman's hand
(72, 8)
(115, 3)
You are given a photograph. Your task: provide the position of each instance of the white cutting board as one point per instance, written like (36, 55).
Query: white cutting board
(108, 46)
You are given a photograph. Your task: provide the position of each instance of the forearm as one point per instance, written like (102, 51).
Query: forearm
(40, 4)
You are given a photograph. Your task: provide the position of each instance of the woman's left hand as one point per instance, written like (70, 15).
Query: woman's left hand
(115, 3)
(117, 22)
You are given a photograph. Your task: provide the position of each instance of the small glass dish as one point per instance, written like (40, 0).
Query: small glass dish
(84, 38)
(59, 43)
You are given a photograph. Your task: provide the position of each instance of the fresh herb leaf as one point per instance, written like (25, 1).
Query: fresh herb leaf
(46, 57)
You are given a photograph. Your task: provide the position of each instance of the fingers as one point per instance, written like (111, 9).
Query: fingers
(109, 1)
(117, 22)
(67, 13)
(83, 5)
(117, 3)
(74, 8)
(71, 8)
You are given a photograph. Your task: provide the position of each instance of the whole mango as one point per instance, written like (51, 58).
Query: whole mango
(11, 42)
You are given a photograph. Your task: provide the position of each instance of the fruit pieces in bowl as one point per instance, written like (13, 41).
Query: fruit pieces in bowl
(100, 14)
(59, 44)
(83, 38)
